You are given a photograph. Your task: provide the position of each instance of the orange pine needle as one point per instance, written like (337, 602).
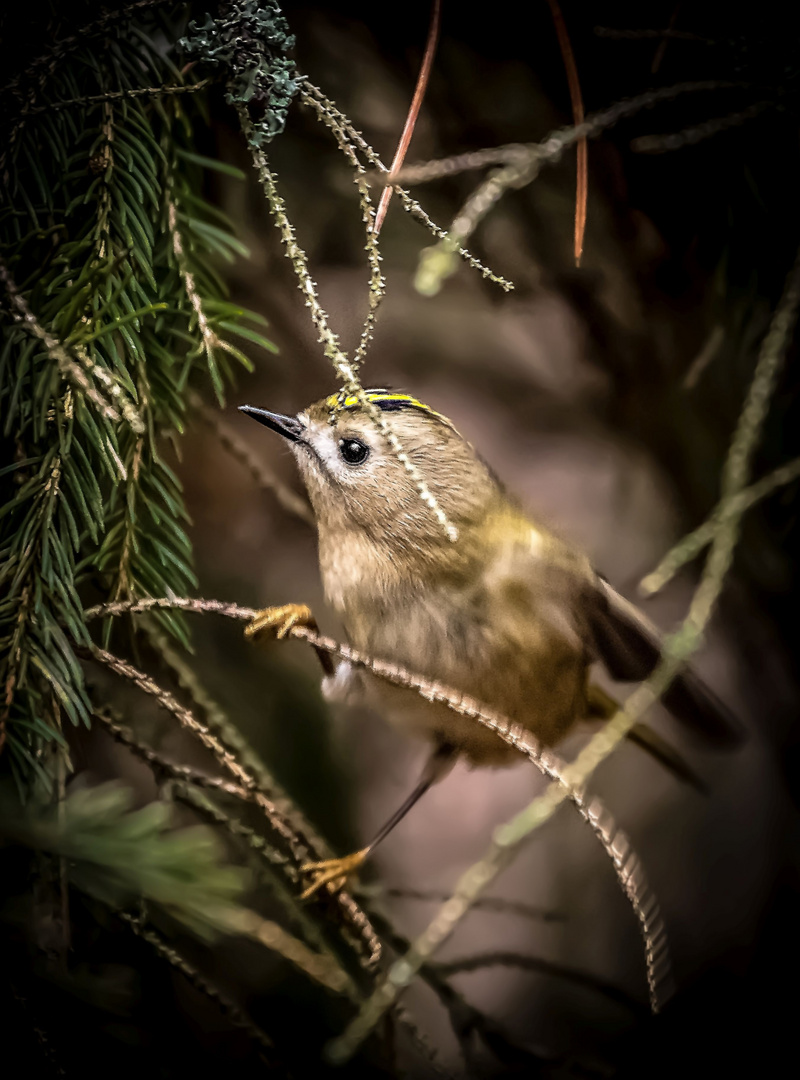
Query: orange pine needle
(582, 184)
(413, 112)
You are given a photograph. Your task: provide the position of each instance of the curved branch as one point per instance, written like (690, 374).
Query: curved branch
(627, 865)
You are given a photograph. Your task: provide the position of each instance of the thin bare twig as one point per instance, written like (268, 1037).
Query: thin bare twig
(327, 111)
(234, 1011)
(301, 846)
(690, 546)
(319, 967)
(297, 844)
(708, 352)
(159, 764)
(464, 1018)
(377, 282)
(551, 148)
(216, 718)
(736, 473)
(521, 166)
(413, 112)
(615, 34)
(466, 964)
(190, 793)
(628, 867)
(661, 48)
(422, 1043)
(498, 904)
(663, 144)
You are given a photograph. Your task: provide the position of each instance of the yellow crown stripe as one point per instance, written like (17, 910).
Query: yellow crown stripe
(375, 397)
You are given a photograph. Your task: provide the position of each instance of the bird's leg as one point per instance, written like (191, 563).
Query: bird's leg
(334, 872)
(280, 620)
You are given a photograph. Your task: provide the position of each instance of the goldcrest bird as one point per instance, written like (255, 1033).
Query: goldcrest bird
(508, 613)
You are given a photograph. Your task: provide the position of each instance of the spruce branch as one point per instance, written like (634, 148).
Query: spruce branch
(78, 374)
(77, 39)
(207, 334)
(118, 854)
(126, 93)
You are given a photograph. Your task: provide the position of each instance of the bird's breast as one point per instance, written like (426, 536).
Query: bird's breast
(519, 657)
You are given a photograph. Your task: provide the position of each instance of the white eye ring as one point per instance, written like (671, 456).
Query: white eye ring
(353, 451)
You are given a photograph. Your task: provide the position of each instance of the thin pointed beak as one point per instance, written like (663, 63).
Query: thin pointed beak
(288, 426)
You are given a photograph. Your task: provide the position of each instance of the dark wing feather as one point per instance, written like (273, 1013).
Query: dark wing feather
(629, 645)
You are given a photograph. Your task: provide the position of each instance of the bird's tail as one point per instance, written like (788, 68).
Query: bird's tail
(603, 706)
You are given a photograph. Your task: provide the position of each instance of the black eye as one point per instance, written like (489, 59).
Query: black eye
(354, 451)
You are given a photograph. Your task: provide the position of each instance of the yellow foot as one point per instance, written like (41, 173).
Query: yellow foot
(332, 872)
(280, 620)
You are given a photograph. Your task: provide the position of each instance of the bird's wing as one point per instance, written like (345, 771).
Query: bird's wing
(629, 646)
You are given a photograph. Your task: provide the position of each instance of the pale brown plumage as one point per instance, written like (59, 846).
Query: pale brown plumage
(509, 614)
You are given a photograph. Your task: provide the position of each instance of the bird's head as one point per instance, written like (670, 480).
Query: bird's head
(359, 483)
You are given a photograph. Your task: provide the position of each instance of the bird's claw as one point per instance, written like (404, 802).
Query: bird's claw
(332, 873)
(279, 620)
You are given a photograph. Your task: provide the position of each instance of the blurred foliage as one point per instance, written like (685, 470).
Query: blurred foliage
(120, 856)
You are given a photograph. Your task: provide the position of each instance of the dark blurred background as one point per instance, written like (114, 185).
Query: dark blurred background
(605, 397)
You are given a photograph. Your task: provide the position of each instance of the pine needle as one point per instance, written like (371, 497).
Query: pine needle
(582, 183)
(413, 112)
